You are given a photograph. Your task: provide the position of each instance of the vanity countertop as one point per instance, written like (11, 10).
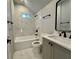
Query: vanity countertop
(64, 42)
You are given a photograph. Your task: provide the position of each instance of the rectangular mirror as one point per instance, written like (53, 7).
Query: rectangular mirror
(63, 15)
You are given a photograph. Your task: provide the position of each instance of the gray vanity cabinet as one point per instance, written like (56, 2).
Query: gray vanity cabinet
(52, 50)
(61, 53)
(47, 49)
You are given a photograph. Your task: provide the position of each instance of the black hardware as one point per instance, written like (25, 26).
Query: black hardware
(70, 37)
(10, 22)
(49, 43)
(64, 22)
(43, 17)
(36, 34)
(47, 15)
(60, 34)
(64, 33)
(8, 41)
(35, 15)
(36, 30)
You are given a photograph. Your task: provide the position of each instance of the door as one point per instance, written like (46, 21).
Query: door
(9, 40)
(10, 36)
(9, 50)
(46, 49)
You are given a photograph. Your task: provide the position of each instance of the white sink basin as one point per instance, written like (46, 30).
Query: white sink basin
(52, 36)
(62, 39)
(55, 37)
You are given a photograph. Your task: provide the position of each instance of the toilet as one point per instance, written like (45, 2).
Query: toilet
(36, 47)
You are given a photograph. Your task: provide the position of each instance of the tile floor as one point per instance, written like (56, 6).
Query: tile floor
(26, 54)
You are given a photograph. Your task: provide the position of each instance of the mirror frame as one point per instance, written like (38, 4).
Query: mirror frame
(56, 18)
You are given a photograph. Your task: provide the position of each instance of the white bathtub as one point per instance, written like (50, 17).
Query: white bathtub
(24, 42)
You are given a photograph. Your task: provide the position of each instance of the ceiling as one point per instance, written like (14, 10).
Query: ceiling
(34, 5)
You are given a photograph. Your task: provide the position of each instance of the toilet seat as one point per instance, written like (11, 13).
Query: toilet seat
(36, 43)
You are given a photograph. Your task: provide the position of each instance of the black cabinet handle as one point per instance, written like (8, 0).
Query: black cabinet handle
(51, 44)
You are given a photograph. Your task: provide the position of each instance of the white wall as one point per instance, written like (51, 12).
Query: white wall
(47, 25)
(36, 5)
(23, 27)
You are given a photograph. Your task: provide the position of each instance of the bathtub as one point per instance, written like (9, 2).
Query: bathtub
(24, 42)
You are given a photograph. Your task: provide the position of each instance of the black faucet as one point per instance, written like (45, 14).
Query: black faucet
(60, 34)
(64, 34)
(70, 37)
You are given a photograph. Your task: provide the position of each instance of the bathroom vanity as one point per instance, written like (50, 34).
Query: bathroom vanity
(56, 47)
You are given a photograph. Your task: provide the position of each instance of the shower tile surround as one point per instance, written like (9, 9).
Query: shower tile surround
(23, 26)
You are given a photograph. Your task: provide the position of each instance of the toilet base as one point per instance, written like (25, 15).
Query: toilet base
(36, 52)
(36, 47)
